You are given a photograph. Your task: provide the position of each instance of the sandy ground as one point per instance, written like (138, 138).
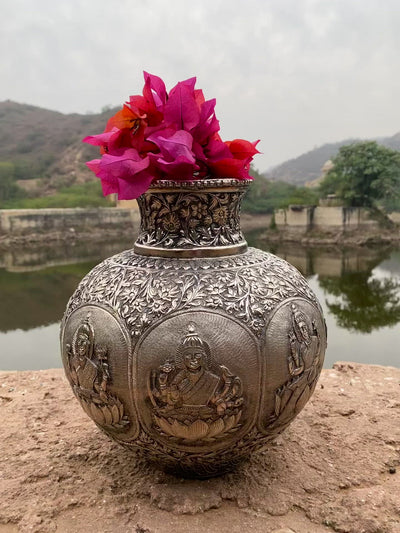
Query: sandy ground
(335, 469)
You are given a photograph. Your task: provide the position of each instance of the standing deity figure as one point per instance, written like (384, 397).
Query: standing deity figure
(88, 363)
(303, 365)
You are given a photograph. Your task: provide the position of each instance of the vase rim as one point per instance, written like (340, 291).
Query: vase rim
(197, 184)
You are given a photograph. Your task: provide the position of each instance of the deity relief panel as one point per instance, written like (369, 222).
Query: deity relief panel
(198, 389)
(304, 343)
(93, 350)
(193, 397)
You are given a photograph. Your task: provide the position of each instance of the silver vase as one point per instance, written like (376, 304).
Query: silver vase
(193, 347)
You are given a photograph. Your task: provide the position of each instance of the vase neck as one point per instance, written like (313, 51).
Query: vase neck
(199, 218)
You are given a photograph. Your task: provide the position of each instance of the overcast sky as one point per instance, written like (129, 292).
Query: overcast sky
(293, 73)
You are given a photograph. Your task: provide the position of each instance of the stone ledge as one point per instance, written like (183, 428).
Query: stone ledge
(337, 468)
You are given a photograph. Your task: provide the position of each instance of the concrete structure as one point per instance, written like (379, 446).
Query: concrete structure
(25, 222)
(305, 217)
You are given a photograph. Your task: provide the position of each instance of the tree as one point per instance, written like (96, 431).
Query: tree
(264, 196)
(363, 174)
(8, 187)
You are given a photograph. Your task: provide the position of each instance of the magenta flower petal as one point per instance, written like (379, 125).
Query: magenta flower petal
(217, 149)
(208, 124)
(129, 189)
(198, 151)
(126, 174)
(154, 87)
(124, 165)
(178, 145)
(100, 140)
(181, 108)
(180, 168)
(109, 185)
(94, 165)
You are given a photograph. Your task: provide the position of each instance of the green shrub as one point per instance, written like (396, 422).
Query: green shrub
(83, 195)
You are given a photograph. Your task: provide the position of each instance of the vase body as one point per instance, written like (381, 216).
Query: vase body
(192, 347)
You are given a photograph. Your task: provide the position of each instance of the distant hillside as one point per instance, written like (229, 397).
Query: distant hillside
(307, 167)
(46, 150)
(47, 144)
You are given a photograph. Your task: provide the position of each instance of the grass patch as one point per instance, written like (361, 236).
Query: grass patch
(82, 195)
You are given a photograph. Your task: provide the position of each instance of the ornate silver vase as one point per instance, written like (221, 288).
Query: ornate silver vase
(192, 347)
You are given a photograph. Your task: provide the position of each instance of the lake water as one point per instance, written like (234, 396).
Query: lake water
(359, 290)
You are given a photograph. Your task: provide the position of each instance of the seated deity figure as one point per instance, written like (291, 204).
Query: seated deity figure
(194, 382)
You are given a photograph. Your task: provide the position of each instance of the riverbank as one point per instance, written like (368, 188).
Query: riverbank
(336, 468)
(354, 238)
(33, 227)
(127, 227)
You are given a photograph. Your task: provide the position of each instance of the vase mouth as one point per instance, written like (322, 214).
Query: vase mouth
(191, 218)
(198, 184)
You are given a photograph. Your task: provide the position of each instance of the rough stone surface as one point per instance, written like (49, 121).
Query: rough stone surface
(337, 468)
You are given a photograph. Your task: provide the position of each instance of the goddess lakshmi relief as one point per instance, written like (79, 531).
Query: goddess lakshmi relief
(193, 398)
(90, 376)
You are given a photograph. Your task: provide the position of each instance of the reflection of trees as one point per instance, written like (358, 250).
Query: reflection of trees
(32, 299)
(363, 303)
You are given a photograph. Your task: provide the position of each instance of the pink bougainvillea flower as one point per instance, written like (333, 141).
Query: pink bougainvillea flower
(158, 135)
(199, 96)
(111, 142)
(179, 168)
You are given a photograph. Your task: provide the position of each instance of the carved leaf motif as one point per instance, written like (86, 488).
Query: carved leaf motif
(117, 414)
(232, 421)
(197, 431)
(216, 427)
(97, 414)
(108, 418)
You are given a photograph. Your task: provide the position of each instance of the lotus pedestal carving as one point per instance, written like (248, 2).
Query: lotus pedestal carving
(192, 347)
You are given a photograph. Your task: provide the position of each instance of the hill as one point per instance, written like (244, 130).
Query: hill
(46, 145)
(307, 167)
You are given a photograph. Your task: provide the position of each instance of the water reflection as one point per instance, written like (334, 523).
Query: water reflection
(359, 290)
(359, 299)
(36, 283)
(363, 302)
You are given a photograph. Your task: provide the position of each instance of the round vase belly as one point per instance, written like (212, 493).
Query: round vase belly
(191, 347)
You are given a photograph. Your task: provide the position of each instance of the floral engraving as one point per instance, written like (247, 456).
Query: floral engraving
(142, 289)
(90, 376)
(194, 398)
(186, 219)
